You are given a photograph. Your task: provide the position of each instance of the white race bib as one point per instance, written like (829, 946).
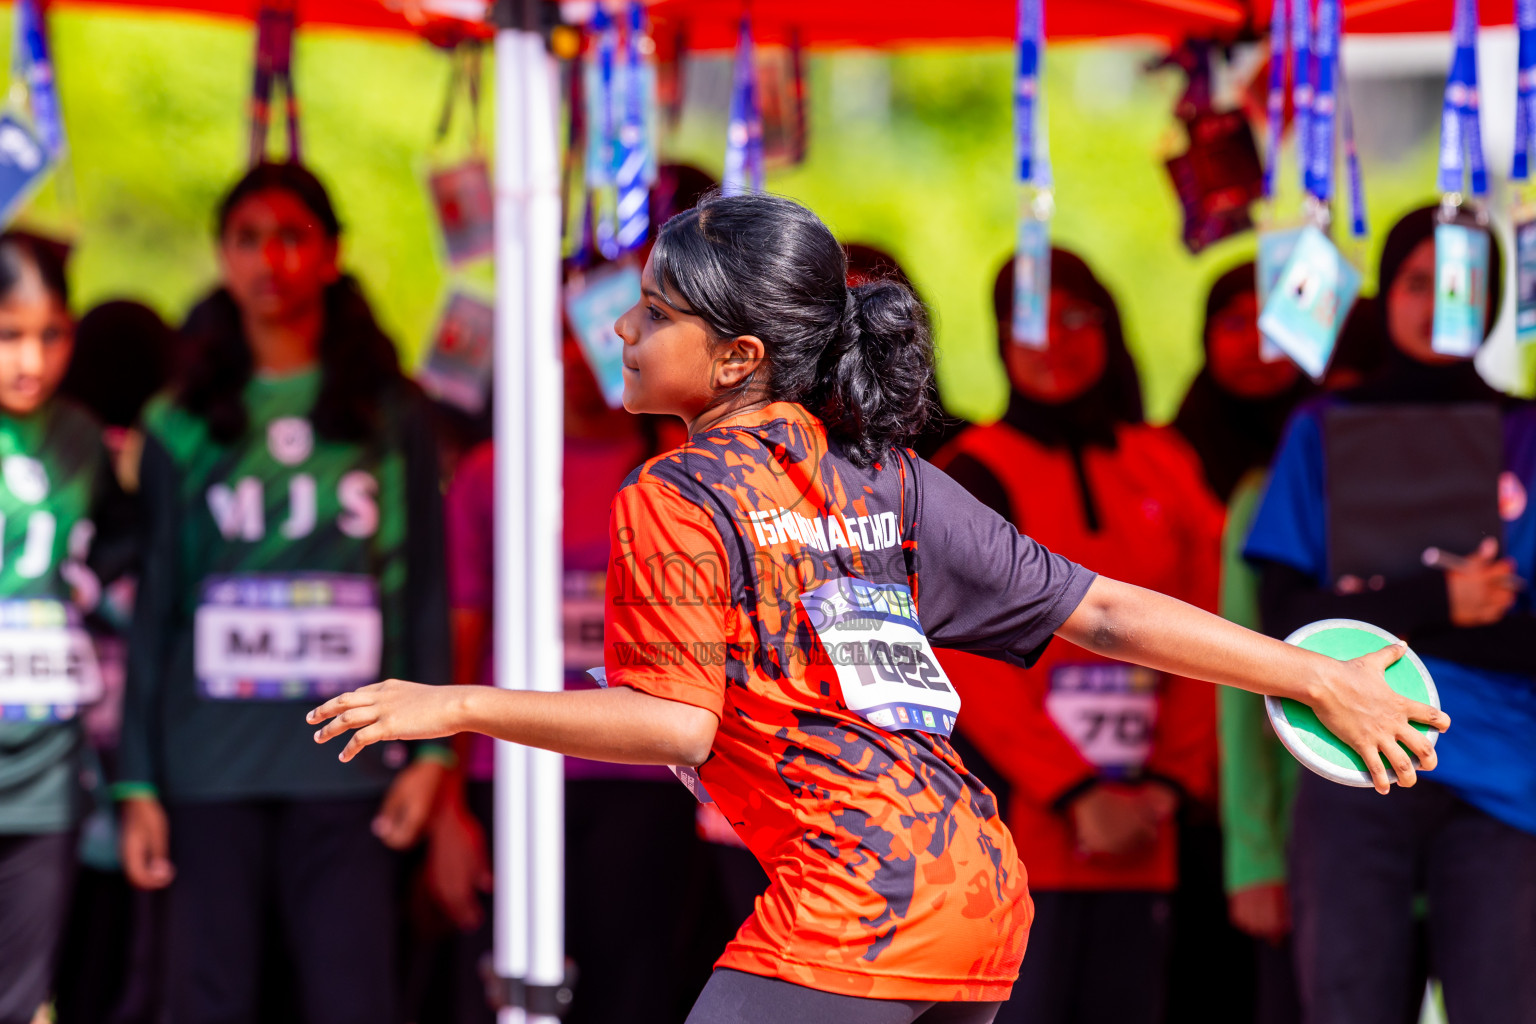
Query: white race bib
(581, 613)
(47, 661)
(287, 637)
(888, 671)
(1107, 709)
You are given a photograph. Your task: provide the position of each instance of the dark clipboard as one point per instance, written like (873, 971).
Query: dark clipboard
(1403, 478)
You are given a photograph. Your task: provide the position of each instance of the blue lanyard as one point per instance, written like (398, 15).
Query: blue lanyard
(1028, 93)
(1278, 51)
(1301, 85)
(1320, 125)
(744, 134)
(1461, 142)
(32, 64)
(634, 200)
(1525, 102)
(1357, 225)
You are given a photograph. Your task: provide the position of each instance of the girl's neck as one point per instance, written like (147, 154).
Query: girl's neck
(290, 346)
(736, 405)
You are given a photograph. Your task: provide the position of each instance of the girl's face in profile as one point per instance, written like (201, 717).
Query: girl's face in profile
(673, 366)
(36, 340)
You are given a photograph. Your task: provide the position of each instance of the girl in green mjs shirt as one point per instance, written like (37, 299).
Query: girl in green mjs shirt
(294, 548)
(57, 493)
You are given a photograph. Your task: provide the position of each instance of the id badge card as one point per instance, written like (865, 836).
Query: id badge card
(48, 666)
(884, 663)
(274, 636)
(1304, 312)
(457, 370)
(581, 615)
(592, 307)
(1275, 248)
(1032, 284)
(1108, 711)
(466, 210)
(1525, 282)
(1461, 289)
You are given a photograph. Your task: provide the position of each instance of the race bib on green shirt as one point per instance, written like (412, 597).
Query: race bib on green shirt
(273, 636)
(48, 665)
(887, 669)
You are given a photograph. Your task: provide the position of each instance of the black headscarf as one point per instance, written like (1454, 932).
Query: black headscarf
(1403, 378)
(1090, 418)
(1232, 434)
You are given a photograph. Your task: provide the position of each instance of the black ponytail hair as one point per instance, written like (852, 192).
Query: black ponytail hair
(860, 358)
(22, 249)
(358, 362)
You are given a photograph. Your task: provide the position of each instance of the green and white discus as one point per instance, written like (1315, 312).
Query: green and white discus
(1297, 724)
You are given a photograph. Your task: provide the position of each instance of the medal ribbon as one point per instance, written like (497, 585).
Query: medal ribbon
(1461, 142)
(744, 134)
(1525, 101)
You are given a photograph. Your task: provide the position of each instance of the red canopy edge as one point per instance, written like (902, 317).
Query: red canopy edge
(822, 24)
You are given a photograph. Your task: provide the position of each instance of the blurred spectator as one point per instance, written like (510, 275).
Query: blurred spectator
(124, 354)
(1098, 755)
(1258, 776)
(1466, 834)
(290, 482)
(1238, 404)
(66, 528)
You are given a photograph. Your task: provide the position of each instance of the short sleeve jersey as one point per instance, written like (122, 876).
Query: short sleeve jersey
(892, 876)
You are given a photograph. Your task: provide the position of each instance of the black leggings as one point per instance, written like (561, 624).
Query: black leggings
(732, 997)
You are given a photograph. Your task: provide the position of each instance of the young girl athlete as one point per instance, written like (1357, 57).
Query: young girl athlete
(775, 589)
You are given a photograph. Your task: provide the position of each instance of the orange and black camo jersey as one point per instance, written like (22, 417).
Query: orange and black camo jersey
(892, 876)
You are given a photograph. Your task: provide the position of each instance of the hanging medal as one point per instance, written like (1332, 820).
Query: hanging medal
(744, 133)
(1032, 254)
(1277, 243)
(1525, 208)
(1314, 291)
(1461, 236)
(635, 158)
(603, 118)
(461, 188)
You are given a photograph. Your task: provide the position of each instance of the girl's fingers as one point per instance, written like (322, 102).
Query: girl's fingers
(353, 719)
(1401, 763)
(341, 702)
(1371, 755)
(1386, 657)
(362, 738)
(1432, 717)
(1418, 744)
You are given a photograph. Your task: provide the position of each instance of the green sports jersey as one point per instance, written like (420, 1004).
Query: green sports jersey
(56, 482)
(280, 569)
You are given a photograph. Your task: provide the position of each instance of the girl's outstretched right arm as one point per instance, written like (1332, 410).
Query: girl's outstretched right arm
(1351, 698)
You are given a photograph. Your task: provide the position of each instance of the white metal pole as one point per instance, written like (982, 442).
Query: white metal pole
(510, 957)
(546, 430)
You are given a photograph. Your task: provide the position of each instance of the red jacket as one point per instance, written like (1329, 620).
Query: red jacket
(1075, 716)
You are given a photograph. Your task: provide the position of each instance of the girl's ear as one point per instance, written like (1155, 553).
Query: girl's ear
(737, 360)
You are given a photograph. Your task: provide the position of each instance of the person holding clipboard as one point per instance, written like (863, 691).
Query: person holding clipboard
(776, 587)
(1403, 502)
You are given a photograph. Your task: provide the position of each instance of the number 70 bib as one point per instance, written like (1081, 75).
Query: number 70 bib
(886, 667)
